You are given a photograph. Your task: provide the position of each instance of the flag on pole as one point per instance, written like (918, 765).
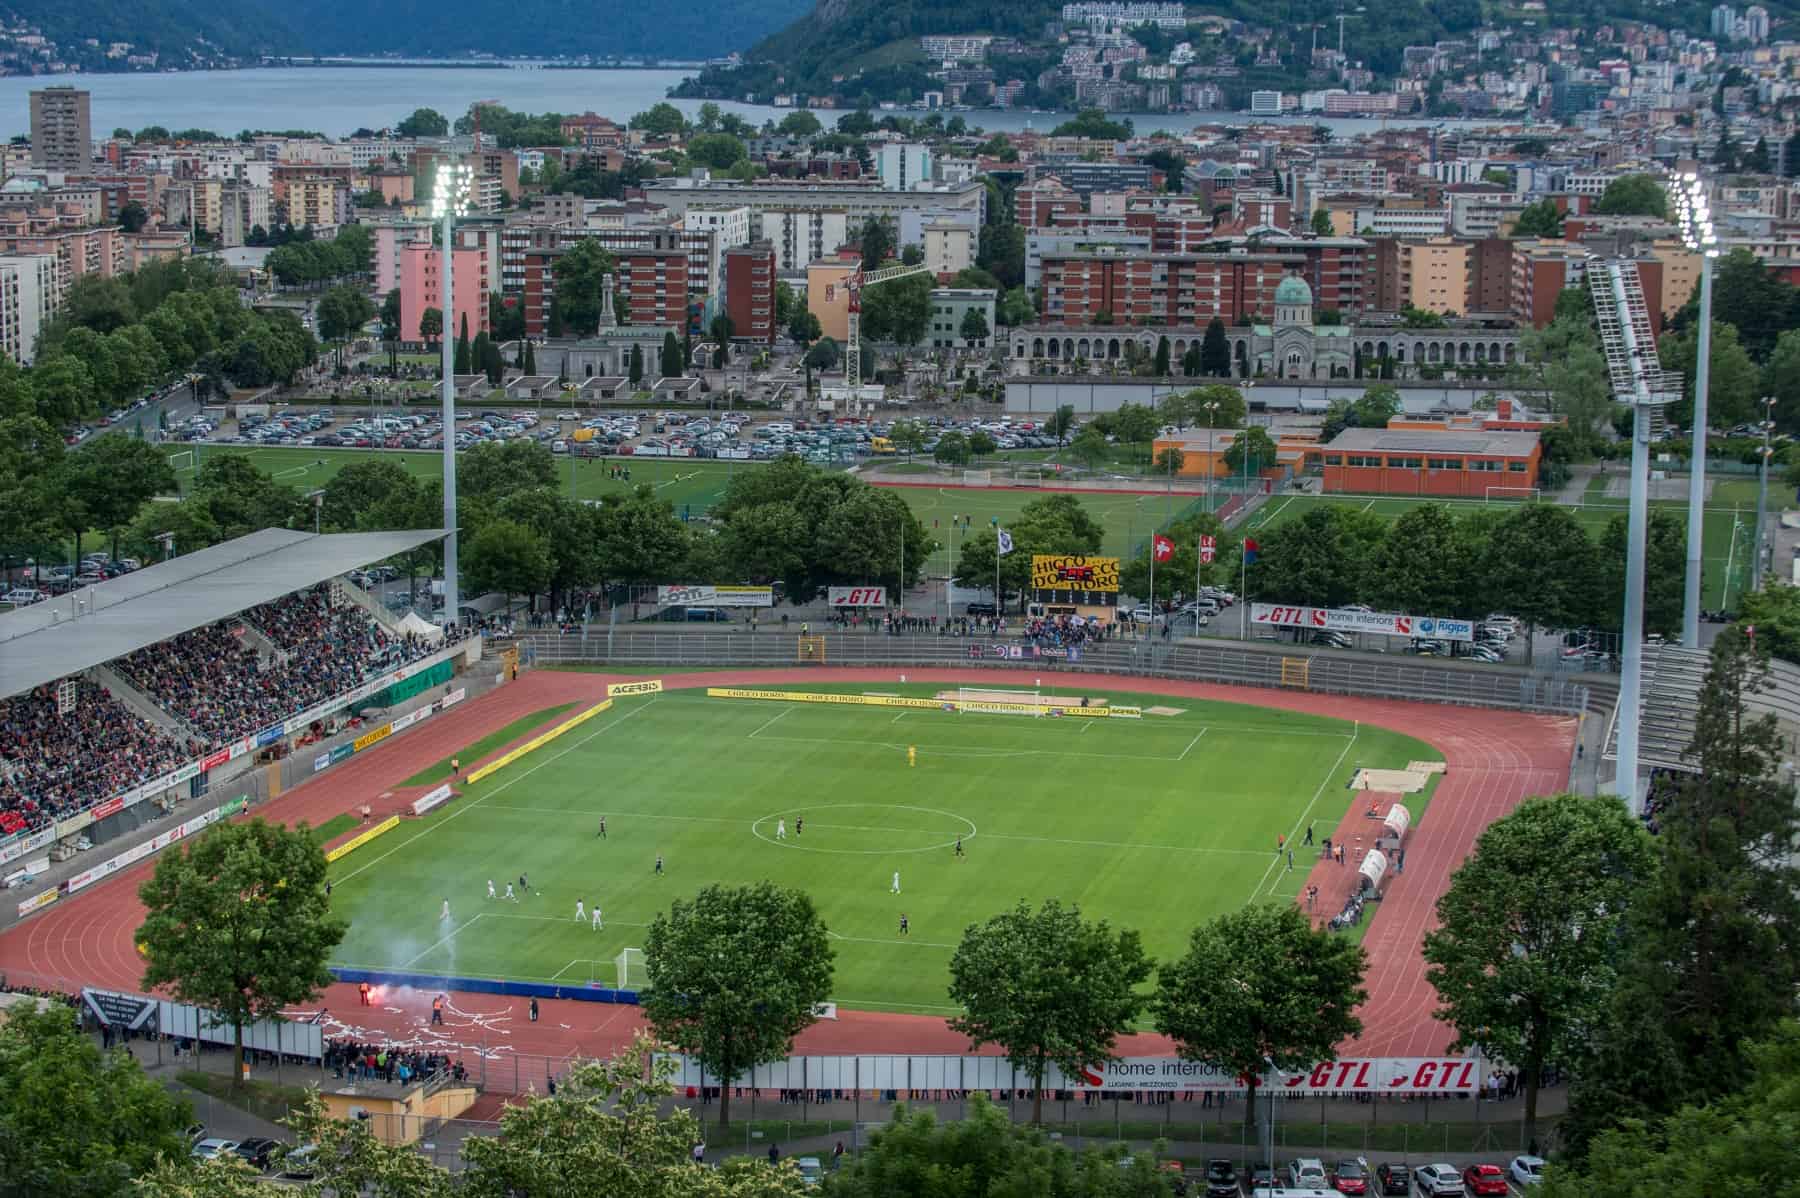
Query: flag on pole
(1162, 548)
(1250, 550)
(1209, 546)
(1003, 541)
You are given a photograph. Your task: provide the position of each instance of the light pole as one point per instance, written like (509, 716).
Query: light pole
(1697, 233)
(1762, 493)
(449, 200)
(1212, 410)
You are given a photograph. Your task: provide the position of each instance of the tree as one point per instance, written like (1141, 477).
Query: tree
(1251, 452)
(670, 364)
(1526, 951)
(635, 370)
(343, 311)
(982, 443)
(133, 216)
(660, 120)
(974, 328)
(804, 327)
(424, 122)
(1260, 990)
(1216, 405)
(76, 1121)
(799, 123)
(1376, 407)
(1015, 308)
(529, 365)
(952, 448)
(721, 151)
(876, 243)
(431, 324)
(1321, 223)
(1001, 252)
(1215, 351)
(238, 921)
(912, 255)
(1049, 987)
(1090, 446)
(580, 272)
(464, 362)
(1169, 460)
(110, 478)
(1160, 366)
(493, 469)
(508, 557)
(908, 437)
(1060, 422)
(1092, 122)
(1633, 195)
(1542, 219)
(734, 975)
(390, 324)
(899, 311)
(359, 488)
(1734, 383)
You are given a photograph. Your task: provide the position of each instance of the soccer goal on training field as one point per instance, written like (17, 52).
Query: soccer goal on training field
(182, 461)
(630, 963)
(983, 700)
(1512, 494)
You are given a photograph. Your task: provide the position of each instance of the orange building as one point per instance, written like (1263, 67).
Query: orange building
(1449, 462)
(1203, 455)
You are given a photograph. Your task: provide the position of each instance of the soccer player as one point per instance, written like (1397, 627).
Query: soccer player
(597, 922)
(905, 928)
(895, 888)
(510, 896)
(580, 910)
(912, 755)
(445, 913)
(659, 865)
(799, 824)
(780, 829)
(959, 849)
(603, 827)
(524, 886)
(490, 888)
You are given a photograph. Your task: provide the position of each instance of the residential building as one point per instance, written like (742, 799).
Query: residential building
(1181, 289)
(653, 280)
(1395, 221)
(949, 248)
(1541, 271)
(1453, 463)
(61, 139)
(241, 210)
(63, 232)
(902, 166)
(731, 226)
(950, 306)
(857, 199)
(1434, 276)
(422, 287)
(319, 202)
(801, 236)
(1265, 103)
(827, 298)
(1086, 178)
(30, 293)
(750, 291)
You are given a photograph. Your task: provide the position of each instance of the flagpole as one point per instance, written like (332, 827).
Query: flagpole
(1151, 631)
(1197, 585)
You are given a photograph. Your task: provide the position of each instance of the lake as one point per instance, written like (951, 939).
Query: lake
(338, 100)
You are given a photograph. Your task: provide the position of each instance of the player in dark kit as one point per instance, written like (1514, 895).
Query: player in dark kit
(905, 928)
(659, 867)
(523, 884)
(959, 849)
(603, 827)
(799, 825)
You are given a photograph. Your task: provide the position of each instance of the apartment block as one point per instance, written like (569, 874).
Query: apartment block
(802, 236)
(653, 281)
(1434, 276)
(750, 291)
(1162, 289)
(949, 248)
(902, 166)
(321, 202)
(62, 232)
(30, 293)
(950, 306)
(61, 139)
(422, 287)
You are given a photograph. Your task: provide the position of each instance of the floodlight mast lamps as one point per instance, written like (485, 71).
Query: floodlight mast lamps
(449, 200)
(1697, 233)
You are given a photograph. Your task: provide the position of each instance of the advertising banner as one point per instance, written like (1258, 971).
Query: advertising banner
(1074, 572)
(651, 686)
(362, 838)
(453, 698)
(1332, 619)
(539, 741)
(18, 848)
(372, 737)
(213, 760)
(322, 761)
(270, 735)
(111, 807)
(430, 799)
(37, 902)
(705, 596)
(856, 596)
(74, 824)
(341, 753)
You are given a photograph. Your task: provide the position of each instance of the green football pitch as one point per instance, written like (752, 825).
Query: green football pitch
(1156, 824)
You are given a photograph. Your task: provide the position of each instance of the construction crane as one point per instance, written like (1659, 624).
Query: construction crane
(853, 341)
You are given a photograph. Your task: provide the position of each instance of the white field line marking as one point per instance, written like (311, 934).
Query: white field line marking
(769, 722)
(1268, 516)
(1329, 775)
(467, 807)
(442, 940)
(899, 940)
(604, 923)
(961, 750)
(1114, 844)
(1191, 744)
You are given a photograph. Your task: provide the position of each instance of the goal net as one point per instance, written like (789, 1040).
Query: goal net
(990, 701)
(630, 964)
(978, 478)
(182, 461)
(1512, 494)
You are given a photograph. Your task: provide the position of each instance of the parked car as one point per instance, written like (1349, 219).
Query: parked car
(1393, 1179)
(258, 1152)
(1221, 1179)
(23, 596)
(210, 1147)
(812, 1173)
(1482, 1180)
(1439, 1181)
(1349, 1177)
(1526, 1170)
(297, 1163)
(1307, 1173)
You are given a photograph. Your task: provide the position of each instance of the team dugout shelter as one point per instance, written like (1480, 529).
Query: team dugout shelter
(1469, 463)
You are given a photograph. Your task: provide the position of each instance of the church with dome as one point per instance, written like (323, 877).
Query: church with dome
(1290, 346)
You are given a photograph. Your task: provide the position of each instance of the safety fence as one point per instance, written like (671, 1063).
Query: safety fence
(1255, 665)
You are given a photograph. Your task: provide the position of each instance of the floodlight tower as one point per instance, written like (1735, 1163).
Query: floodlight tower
(449, 200)
(1637, 379)
(1697, 233)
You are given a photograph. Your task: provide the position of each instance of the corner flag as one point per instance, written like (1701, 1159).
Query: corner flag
(1004, 541)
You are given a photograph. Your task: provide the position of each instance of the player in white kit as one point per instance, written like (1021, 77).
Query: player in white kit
(445, 913)
(597, 923)
(780, 829)
(580, 910)
(895, 888)
(490, 888)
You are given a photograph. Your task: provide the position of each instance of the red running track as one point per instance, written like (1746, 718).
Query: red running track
(1494, 760)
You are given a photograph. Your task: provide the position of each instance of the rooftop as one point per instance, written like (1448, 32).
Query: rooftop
(1479, 442)
(94, 625)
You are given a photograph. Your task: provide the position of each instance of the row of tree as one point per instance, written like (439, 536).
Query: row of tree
(351, 254)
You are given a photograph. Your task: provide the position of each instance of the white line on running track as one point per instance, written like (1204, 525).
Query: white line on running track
(467, 807)
(1329, 775)
(1191, 744)
(769, 723)
(442, 940)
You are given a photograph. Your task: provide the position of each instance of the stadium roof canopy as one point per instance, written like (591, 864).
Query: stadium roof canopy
(93, 625)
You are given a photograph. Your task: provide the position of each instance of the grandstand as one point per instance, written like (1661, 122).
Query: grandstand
(1673, 680)
(138, 687)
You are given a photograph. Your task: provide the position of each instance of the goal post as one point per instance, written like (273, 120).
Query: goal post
(1492, 495)
(987, 700)
(630, 966)
(181, 461)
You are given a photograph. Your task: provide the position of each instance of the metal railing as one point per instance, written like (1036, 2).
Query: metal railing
(1224, 662)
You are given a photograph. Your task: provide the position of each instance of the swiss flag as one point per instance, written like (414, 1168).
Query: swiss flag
(1163, 548)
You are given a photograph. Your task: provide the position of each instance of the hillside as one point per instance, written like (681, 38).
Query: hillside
(173, 29)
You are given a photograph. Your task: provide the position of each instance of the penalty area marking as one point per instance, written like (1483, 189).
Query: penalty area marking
(441, 941)
(1329, 775)
(877, 940)
(793, 843)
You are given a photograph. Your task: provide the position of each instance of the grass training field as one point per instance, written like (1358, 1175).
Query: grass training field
(1157, 824)
(1728, 529)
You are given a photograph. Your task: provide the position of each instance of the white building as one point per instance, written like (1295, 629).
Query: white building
(1265, 103)
(949, 247)
(902, 165)
(731, 224)
(801, 236)
(30, 293)
(1404, 222)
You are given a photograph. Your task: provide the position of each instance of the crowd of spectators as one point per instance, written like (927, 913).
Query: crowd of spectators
(54, 764)
(215, 680)
(375, 1062)
(1065, 632)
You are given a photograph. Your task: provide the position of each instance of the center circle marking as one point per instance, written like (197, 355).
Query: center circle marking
(757, 826)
